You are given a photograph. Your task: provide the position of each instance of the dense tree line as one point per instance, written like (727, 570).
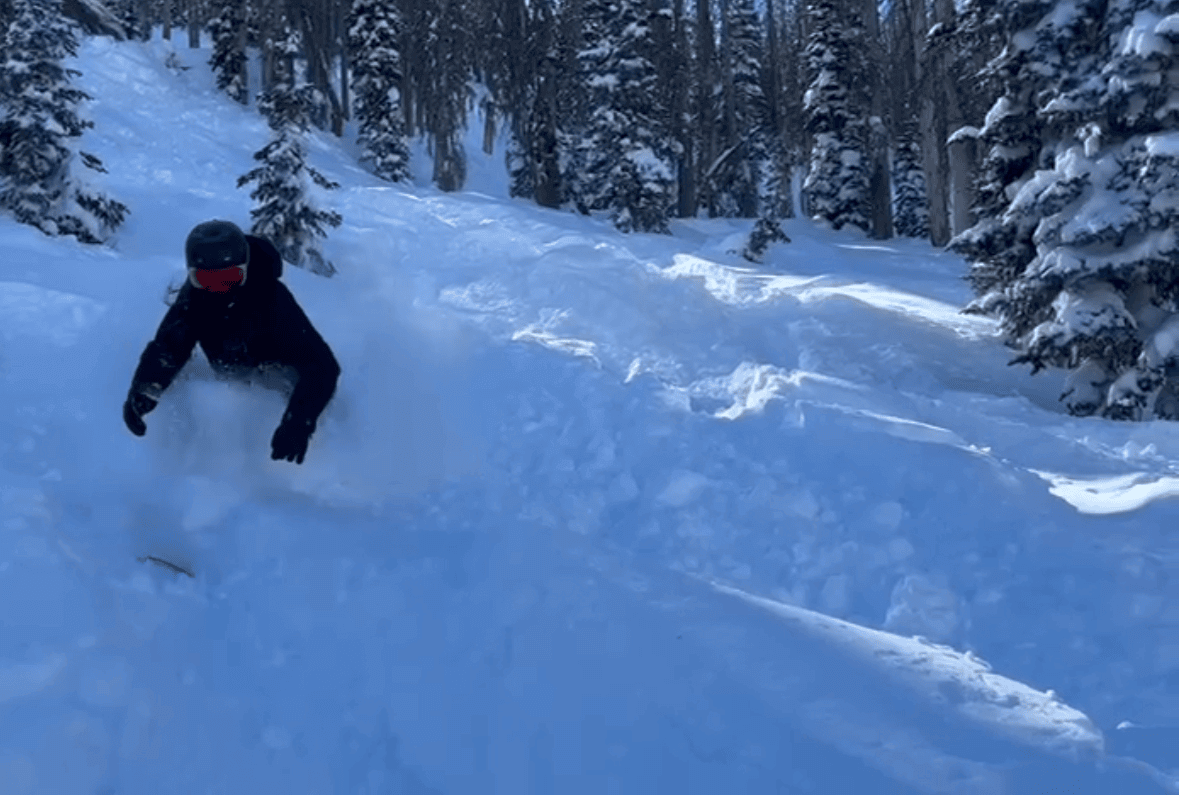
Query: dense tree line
(643, 110)
(1035, 138)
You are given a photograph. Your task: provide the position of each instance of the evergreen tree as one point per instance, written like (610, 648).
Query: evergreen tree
(584, 164)
(837, 180)
(623, 150)
(39, 183)
(373, 31)
(228, 61)
(1075, 249)
(283, 211)
(911, 206)
(766, 231)
(571, 98)
(977, 40)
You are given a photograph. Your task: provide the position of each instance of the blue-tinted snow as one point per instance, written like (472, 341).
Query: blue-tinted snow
(590, 513)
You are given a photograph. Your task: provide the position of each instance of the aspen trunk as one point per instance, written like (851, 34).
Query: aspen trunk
(962, 156)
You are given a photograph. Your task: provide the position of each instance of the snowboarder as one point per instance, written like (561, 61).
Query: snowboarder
(248, 324)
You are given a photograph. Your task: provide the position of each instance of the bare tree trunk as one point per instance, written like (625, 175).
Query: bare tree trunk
(933, 147)
(548, 169)
(673, 62)
(196, 20)
(143, 13)
(270, 18)
(789, 125)
(449, 165)
(879, 182)
(489, 126)
(411, 36)
(686, 199)
(167, 17)
(315, 25)
(341, 35)
(243, 31)
(545, 155)
(705, 111)
(773, 92)
(931, 79)
(963, 166)
(729, 140)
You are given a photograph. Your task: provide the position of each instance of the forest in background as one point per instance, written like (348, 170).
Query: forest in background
(646, 109)
(1036, 138)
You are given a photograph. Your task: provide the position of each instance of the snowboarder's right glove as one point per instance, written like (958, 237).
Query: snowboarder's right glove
(137, 405)
(290, 440)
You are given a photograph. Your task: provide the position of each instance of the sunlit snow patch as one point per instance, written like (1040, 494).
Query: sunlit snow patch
(1111, 494)
(32, 311)
(865, 247)
(912, 430)
(541, 334)
(484, 297)
(742, 286)
(947, 679)
(914, 306)
(735, 286)
(573, 347)
(751, 387)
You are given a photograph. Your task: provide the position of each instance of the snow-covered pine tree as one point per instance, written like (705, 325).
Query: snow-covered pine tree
(583, 163)
(373, 30)
(976, 39)
(837, 180)
(910, 204)
(227, 27)
(1076, 250)
(39, 183)
(767, 230)
(284, 212)
(625, 155)
(571, 100)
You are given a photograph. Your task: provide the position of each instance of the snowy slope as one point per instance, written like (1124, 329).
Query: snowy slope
(589, 513)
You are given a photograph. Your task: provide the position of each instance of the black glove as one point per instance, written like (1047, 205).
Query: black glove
(134, 408)
(290, 440)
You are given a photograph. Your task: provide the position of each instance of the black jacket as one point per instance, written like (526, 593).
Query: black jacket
(255, 325)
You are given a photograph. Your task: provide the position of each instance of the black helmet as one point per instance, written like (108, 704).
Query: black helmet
(216, 244)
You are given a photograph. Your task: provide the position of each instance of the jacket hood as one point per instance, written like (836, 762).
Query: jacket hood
(265, 261)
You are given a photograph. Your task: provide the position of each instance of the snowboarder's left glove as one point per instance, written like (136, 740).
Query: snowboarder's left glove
(136, 405)
(290, 440)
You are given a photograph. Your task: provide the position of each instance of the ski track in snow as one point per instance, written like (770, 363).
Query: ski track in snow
(559, 527)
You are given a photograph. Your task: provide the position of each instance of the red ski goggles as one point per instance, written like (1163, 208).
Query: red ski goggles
(218, 280)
